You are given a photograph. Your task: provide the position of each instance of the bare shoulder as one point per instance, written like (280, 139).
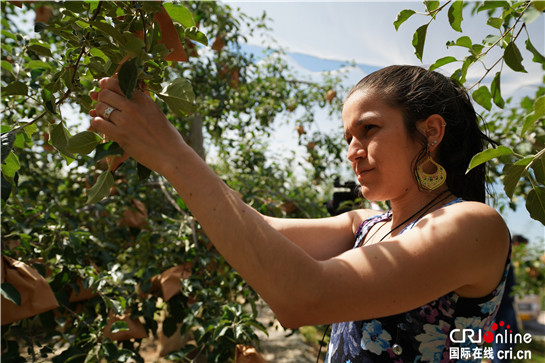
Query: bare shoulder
(468, 222)
(475, 216)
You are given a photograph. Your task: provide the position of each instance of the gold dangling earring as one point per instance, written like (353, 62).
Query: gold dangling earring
(431, 181)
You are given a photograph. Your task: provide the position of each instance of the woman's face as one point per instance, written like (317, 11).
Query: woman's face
(379, 148)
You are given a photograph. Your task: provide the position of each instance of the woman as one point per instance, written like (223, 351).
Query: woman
(435, 263)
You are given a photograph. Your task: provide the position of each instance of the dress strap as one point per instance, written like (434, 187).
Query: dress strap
(367, 224)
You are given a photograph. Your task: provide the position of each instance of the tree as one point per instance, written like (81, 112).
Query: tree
(116, 245)
(519, 161)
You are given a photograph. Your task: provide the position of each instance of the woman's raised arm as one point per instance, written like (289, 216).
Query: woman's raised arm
(322, 238)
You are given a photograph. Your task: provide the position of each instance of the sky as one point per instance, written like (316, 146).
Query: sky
(326, 35)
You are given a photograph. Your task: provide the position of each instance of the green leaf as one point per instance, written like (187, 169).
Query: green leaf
(483, 97)
(476, 49)
(179, 97)
(119, 326)
(539, 106)
(535, 204)
(134, 46)
(488, 5)
(495, 22)
(491, 39)
(419, 38)
(15, 88)
(538, 57)
(538, 166)
(101, 189)
(6, 65)
(180, 14)
(5, 188)
(82, 24)
(196, 35)
(8, 34)
(487, 155)
(539, 5)
(128, 77)
(109, 30)
(11, 165)
(95, 52)
(74, 6)
(40, 50)
(513, 58)
(455, 15)
(83, 143)
(38, 27)
(49, 101)
(33, 64)
(402, 17)
(7, 140)
(9, 292)
(537, 113)
(464, 41)
(58, 138)
(468, 61)
(20, 140)
(495, 89)
(442, 61)
(525, 161)
(431, 5)
(107, 149)
(511, 177)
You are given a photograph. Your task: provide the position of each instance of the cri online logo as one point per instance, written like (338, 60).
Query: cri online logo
(477, 336)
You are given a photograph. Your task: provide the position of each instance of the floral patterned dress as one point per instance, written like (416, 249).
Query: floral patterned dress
(419, 335)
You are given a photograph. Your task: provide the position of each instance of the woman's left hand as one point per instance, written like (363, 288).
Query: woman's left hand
(136, 124)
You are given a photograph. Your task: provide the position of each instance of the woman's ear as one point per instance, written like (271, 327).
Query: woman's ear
(433, 128)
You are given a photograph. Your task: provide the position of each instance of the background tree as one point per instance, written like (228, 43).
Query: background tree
(121, 252)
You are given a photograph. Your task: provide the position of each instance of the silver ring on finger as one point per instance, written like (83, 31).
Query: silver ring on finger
(108, 112)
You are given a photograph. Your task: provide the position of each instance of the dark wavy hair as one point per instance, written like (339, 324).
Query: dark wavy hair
(419, 93)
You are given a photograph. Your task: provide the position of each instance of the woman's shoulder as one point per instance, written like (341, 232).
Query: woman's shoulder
(470, 213)
(468, 221)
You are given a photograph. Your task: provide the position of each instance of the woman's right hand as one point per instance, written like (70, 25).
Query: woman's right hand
(137, 125)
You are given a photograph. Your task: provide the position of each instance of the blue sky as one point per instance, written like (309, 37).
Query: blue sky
(326, 35)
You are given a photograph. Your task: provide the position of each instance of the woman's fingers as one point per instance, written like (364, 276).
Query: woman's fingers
(103, 126)
(111, 83)
(113, 99)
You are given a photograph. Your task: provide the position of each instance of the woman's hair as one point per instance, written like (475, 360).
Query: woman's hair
(418, 94)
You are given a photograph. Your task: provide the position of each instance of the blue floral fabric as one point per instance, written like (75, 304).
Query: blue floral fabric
(419, 335)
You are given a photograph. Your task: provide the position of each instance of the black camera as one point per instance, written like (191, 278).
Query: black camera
(347, 192)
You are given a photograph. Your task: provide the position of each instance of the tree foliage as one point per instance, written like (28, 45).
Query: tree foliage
(107, 234)
(519, 161)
